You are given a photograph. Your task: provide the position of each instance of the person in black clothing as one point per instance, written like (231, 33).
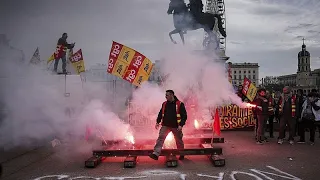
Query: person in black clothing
(287, 120)
(271, 103)
(196, 8)
(317, 124)
(299, 103)
(170, 121)
(63, 42)
(262, 114)
(240, 94)
(308, 117)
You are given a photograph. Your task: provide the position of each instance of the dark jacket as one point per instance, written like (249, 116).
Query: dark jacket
(299, 103)
(64, 43)
(241, 95)
(170, 115)
(264, 103)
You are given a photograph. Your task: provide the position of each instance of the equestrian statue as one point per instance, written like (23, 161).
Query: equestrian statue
(190, 17)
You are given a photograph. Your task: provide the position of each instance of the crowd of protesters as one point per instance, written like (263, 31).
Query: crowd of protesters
(294, 113)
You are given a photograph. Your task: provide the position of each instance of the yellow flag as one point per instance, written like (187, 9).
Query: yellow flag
(51, 58)
(78, 62)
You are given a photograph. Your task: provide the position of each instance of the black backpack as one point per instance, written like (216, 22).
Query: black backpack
(308, 113)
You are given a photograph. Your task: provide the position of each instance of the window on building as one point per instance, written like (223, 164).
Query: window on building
(239, 77)
(249, 72)
(299, 68)
(244, 76)
(239, 72)
(235, 77)
(253, 71)
(235, 72)
(249, 76)
(244, 72)
(254, 77)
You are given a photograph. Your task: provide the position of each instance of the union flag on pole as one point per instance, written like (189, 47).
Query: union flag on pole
(129, 64)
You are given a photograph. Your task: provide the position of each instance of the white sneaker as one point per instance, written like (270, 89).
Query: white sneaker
(280, 141)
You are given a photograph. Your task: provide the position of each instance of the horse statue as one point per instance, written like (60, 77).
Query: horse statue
(185, 20)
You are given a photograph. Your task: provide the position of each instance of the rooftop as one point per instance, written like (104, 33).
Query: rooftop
(245, 64)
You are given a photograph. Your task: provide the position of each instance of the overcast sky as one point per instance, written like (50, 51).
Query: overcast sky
(268, 32)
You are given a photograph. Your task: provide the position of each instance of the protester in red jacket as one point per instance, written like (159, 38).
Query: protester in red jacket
(60, 53)
(262, 114)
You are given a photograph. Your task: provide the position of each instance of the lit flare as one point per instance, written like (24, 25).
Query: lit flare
(168, 142)
(196, 124)
(250, 105)
(130, 138)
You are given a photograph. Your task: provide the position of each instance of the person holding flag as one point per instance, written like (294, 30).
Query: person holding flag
(60, 53)
(262, 114)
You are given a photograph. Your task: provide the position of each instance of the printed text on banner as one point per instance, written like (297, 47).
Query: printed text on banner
(78, 62)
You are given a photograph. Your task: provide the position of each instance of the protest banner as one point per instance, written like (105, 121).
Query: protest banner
(231, 117)
(77, 62)
(249, 89)
(129, 64)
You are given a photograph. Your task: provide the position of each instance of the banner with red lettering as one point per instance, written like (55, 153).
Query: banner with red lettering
(129, 64)
(77, 62)
(231, 117)
(60, 50)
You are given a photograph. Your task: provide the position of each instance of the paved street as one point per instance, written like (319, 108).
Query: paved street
(244, 161)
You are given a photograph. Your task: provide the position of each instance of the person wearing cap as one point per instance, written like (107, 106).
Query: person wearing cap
(61, 52)
(262, 112)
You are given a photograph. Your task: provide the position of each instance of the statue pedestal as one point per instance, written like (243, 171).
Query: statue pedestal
(218, 55)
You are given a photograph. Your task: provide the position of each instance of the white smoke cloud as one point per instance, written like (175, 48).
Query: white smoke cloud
(191, 74)
(37, 108)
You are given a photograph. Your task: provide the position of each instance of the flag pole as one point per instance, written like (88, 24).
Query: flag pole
(212, 128)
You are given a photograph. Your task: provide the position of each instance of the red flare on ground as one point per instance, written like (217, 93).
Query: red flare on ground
(130, 138)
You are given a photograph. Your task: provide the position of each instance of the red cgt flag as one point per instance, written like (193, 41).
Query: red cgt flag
(216, 123)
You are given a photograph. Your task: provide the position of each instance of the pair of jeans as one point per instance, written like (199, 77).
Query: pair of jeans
(289, 121)
(164, 131)
(307, 124)
(64, 64)
(270, 126)
(261, 123)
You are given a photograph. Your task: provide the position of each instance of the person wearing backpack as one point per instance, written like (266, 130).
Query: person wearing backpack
(308, 117)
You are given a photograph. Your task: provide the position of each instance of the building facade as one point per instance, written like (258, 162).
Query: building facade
(241, 70)
(305, 78)
(155, 76)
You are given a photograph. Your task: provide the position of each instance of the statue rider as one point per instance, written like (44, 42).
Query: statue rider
(179, 10)
(196, 8)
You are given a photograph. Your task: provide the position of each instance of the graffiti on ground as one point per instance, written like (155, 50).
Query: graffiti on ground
(233, 175)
